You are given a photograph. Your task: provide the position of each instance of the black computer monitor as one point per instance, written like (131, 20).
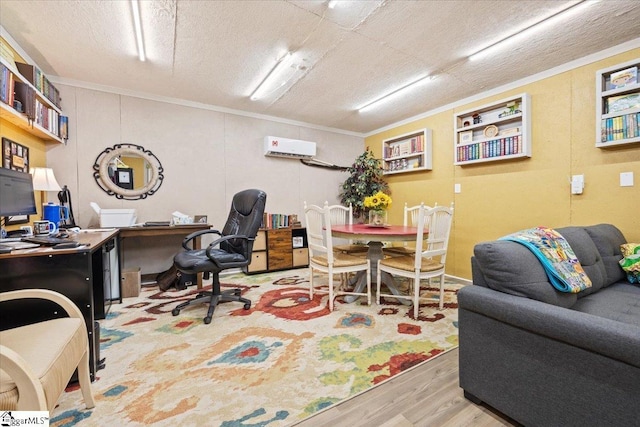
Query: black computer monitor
(16, 193)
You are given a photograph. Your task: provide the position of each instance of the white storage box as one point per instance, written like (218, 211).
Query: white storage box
(110, 218)
(117, 218)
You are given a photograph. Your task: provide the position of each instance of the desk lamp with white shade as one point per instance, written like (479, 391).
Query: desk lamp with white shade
(44, 180)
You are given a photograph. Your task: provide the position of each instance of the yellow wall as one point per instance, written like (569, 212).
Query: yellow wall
(498, 198)
(37, 157)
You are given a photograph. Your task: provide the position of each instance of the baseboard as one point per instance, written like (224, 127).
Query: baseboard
(458, 279)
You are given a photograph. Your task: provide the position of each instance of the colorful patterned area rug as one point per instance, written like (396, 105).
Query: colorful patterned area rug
(273, 365)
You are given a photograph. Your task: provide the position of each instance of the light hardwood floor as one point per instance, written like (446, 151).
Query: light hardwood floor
(427, 395)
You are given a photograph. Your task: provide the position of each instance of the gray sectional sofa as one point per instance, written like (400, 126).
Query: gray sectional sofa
(547, 358)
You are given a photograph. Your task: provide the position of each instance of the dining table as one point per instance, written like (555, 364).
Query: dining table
(375, 235)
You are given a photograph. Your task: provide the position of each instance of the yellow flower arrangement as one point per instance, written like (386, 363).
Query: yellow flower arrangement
(378, 201)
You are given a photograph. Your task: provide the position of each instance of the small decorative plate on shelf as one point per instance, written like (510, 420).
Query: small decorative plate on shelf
(490, 131)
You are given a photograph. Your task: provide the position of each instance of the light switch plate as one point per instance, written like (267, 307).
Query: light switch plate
(457, 189)
(626, 179)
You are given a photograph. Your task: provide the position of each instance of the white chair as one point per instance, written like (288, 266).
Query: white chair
(342, 215)
(428, 260)
(39, 359)
(412, 214)
(323, 258)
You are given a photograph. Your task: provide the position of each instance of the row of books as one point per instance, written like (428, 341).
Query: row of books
(270, 220)
(12, 90)
(40, 82)
(47, 117)
(487, 149)
(621, 127)
(6, 85)
(411, 145)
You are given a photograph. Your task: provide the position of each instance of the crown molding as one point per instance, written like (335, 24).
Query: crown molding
(193, 104)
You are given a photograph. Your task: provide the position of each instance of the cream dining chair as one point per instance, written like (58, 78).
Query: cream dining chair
(342, 215)
(429, 258)
(411, 214)
(323, 258)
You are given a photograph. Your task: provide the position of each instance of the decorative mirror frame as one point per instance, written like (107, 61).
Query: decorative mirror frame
(101, 172)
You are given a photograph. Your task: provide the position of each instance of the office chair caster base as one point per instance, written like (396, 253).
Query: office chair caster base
(207, 320)
(247, 306)
(175, 311)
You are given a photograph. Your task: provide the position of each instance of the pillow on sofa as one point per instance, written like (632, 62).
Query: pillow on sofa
(511, 268)
(631, 261)
(608, 240)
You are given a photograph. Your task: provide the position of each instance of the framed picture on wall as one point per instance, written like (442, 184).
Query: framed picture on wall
(465, 137)
(15, 156)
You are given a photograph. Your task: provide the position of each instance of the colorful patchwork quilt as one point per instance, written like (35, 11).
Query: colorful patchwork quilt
(558, 259)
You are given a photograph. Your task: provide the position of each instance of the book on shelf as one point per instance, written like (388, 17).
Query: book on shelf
(27, 96)
(7, 54)
(30, 72)
(623, 78)
(623, 102)
(7, 82)
(411, 145)
(64, 127)
(621, 127)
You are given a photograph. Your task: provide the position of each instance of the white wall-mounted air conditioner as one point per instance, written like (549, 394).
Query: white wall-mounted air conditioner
(289, 148)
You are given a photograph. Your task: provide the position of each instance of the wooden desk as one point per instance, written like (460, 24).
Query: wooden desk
(160, 231)
(375, 236)
(83, 274)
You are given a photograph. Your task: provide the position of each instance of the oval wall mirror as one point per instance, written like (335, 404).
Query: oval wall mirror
(128, 171)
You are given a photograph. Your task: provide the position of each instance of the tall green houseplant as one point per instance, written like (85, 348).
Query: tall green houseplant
(365, 180)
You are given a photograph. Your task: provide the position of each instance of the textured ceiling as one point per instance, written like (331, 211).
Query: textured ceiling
(216, 52)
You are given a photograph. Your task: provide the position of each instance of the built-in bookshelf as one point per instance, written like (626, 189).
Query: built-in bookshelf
(28, 99)
(618, 105)
(497, 131)
(410, 152)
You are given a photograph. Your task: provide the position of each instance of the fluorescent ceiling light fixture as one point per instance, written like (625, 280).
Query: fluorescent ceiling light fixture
(276, 78)
(135, 8)
(528, 31)
(332, 4)
(390, 95)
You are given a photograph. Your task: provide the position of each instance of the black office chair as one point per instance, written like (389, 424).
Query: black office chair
(231, 250)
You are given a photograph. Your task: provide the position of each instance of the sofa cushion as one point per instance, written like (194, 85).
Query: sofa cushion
(620, 302)
(588, 256)
(510, 267)
(608, 239)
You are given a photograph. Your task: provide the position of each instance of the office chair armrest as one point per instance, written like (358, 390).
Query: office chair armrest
(195, 234)
(217, 242)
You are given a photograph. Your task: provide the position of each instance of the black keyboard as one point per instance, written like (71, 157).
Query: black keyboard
(45, 241)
